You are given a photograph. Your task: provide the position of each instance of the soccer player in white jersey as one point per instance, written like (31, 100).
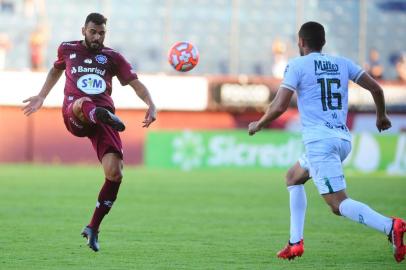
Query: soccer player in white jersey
(321, 84)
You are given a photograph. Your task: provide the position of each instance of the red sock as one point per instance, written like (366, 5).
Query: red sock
(88, 109)
(107, 196)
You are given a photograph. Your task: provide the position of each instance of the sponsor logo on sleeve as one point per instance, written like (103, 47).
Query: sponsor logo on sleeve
(101, 59)
(91, 84)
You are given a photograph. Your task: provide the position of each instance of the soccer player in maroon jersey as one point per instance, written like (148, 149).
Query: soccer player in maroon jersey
(88, 110)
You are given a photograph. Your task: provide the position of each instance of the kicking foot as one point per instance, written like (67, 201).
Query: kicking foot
(291, 251)
(106, 117)
(92, 238)
(396, 238)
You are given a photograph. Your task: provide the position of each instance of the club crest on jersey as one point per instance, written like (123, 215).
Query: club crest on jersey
(88, 61)
(101, 59)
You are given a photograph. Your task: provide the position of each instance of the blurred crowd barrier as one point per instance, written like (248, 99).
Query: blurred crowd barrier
(184, 103)
(195, 93)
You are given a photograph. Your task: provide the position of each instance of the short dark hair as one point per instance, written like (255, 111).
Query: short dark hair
(96, 18)
(313, 34)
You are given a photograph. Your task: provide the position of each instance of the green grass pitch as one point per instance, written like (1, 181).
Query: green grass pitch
(167, 219)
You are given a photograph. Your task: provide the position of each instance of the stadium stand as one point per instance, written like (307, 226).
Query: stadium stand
(233, 36)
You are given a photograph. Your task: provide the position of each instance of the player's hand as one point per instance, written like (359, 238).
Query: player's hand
(253, 128)
(383, 123)
(150, 116)
(34, 104)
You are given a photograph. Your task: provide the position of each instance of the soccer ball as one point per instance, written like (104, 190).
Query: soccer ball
(183, 56)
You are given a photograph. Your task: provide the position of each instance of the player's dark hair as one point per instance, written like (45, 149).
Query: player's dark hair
(96, 18)
(313, 35)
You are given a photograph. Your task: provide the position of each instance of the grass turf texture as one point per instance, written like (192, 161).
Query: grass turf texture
(166, 219)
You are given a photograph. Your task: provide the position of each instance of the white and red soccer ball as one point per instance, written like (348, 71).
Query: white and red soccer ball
(183, 56)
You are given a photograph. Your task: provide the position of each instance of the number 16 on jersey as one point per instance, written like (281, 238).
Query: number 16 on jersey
(327, 96)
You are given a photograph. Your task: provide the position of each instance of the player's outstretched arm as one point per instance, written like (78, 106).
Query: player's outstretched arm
(35, 102)
(382, 119)
(278, 106)
(143, 93)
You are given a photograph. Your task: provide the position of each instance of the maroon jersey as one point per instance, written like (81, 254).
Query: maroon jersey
(89, 73)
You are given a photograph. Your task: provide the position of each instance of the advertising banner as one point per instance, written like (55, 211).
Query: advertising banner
(189, 150)
(165, 90)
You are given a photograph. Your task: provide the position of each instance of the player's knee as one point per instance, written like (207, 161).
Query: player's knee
(77, 105)
(114, 175)
(290, 178)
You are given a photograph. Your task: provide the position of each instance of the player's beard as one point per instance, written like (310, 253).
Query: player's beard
(93, 46)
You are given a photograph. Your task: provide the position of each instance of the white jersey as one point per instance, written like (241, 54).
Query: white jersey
(321, 84)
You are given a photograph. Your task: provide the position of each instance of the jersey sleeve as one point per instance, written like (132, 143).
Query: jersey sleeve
(123, 70)
(354, 70)
(290, 77)
(60, 61)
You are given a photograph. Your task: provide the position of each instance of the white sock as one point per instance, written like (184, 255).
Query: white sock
(298, 204)
(362, 213)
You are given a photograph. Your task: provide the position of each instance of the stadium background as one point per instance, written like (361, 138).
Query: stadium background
(202, 121)
(244, 46)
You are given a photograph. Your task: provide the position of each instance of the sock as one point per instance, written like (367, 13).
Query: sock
(362, 213)
(298, 204)
(88, 109)
(107, 196)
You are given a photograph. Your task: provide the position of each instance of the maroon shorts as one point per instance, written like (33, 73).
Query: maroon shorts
(104, 139)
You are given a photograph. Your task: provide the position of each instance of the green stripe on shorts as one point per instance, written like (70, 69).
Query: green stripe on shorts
(327, 182)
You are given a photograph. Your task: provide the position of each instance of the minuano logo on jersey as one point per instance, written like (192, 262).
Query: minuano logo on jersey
(101, 59)
(91, 84)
